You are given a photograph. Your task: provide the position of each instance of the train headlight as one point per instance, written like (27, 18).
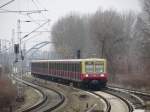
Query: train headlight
(86, 75)
(102, 75)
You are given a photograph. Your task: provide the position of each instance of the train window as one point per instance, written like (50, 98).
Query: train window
(69, 66)
(77, 66)
(42, 65)
(52, 65)
(64, 67)
(58, 66)
(61, 66)
(49, 65)
(46, 65)
(89, 67)
(99, 68)
(76, 69)
(73, 67)
(55, 65)
(39, 65)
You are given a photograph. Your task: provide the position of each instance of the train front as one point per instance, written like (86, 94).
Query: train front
(94, 73)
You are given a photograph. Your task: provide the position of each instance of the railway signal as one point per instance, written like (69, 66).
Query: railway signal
(16, 48)
(78, 54)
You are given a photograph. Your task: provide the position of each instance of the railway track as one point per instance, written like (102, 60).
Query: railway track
(114, 98)
(109, 100)
(37, 104)
(134, 99)
(52, 99)
(108, 105)
(142, 95)
(116, 103)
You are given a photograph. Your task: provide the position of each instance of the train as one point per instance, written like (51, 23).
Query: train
(79, 72)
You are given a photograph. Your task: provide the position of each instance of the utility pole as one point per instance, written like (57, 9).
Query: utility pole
(19, 63)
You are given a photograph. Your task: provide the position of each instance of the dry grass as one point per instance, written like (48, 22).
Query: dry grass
(7, 93)
(135, 81)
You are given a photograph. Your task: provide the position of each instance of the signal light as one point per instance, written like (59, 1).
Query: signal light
(16, 48)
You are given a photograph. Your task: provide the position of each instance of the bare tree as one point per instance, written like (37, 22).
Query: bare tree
(69, 33)
(111, 33)
(105, 34)
(142, 39)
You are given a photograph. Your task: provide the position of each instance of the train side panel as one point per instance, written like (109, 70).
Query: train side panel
(65, 70)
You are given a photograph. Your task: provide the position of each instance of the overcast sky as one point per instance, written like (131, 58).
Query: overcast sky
(56, 9)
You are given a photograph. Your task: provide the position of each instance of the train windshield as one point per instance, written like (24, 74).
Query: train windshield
(99, 67)
(89, 67)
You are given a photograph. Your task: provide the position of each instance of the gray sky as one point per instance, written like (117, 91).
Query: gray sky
(56, 9)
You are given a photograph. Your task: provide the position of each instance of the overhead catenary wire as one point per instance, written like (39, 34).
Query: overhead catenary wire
(35, 21)
(39, 33)
(6, 3)
(37, 3)
(21, 11)
(35, 29)
(38, 6)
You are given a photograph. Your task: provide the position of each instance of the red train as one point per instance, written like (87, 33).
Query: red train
(80, 72)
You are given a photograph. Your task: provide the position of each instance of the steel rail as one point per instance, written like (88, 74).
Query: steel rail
(38, 104)
(108, 106)
(131, 90)
(130, 104)
(108, 109)
(44, 99)
(62, 97)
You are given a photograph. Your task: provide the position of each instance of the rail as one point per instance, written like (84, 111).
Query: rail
(44, 98)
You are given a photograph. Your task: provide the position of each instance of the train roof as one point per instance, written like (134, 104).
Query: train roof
(70, 60)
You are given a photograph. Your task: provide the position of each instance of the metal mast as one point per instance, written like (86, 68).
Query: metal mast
(19, 63)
